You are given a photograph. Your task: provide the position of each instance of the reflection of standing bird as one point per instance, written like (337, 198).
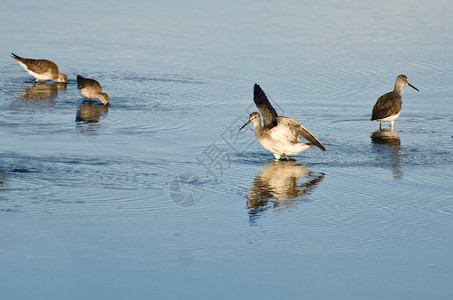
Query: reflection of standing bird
(387, 137)
(388, 106)
(40, 69)
(390, 139)
(91, 89)
(279, 135)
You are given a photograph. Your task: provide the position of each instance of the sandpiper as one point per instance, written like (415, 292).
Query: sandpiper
(91, 89)
(279, 135)
(388, 106)
(40, 69)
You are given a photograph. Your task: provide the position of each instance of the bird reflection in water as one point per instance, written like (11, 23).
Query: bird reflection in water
(2, 178)
(385, 140)
(41, 92)
(277, 186)
(90, 114)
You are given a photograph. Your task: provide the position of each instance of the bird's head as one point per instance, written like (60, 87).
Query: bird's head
(402, 80)
(104, 98)
(254, 117)
(62, 78)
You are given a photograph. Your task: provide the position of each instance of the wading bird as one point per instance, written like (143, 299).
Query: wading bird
(279, 135)
(388, 106)
(40, 69)
(91, 89)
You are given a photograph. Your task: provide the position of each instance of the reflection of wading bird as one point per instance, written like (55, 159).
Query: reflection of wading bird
(90, 113)
(281, 184)
(390, 139)
(387, 137)
(388, 106)
(42, 91)
(40, 69)
(279, 135)
(91, 89)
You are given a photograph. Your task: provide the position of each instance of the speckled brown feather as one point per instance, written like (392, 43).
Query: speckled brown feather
(91, 89)
(92, 84)
(387, 105)
(38, 65)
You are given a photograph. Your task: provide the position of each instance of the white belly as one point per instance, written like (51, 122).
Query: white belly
(38, 76)
(42, 76)
(279, 145)
(389, 119)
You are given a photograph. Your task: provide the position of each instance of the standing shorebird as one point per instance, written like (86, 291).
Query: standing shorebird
(279, 135)
(91, 89)
(388, 106)
(40, 69)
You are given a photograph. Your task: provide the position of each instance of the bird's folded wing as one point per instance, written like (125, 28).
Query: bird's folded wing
(386, 107)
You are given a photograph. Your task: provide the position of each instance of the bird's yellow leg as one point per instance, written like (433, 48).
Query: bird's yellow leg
(287, 158)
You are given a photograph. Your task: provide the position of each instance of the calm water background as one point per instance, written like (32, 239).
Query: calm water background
(158, 196)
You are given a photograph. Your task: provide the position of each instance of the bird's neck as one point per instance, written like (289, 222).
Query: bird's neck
(398, 89)
(257, 127)
(257, 124)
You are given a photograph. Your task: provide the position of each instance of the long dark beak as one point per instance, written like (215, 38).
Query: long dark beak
(413, 87)
(248, 122)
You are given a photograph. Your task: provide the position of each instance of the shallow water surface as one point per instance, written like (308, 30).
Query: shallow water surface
(159, 195)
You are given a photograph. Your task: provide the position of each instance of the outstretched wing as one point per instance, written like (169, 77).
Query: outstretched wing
(262, 103)
(305, 133)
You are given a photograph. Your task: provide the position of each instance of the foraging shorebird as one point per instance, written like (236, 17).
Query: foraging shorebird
(40, 69)
(388, 106)
(91, 89)
(279, 135)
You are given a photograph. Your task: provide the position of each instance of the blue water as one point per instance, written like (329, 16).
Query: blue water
(159, 196)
